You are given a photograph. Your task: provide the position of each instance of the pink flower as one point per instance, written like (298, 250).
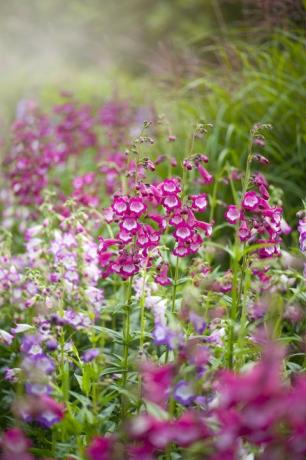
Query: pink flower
(136, 206)
(232, 214)
(187, 165)
(171, 202)
(100, 448)
(206, 227)
(182, 232)
(125, 236)
(199, 202)
(189, 428)
(264, 192)
(162, 277)
(128, 267)
(244, 231)
(170, 187)
(15, 445)
(207, 178)
(250, 201)
(129, 224)
(120, 205)
(156, 381)
(181, 251)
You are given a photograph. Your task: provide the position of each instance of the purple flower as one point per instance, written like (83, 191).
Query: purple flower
(40, 362)
(198, 322)
(90, 355)
(184, 393)
(163, 335)
(38, 389)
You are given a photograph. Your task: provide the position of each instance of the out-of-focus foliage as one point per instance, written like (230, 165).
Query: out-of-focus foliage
(229, 62)
(240, 84)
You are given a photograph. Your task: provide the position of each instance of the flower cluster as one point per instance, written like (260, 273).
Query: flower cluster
(161, 205)
(259, 222)
(42, 143)
(74, 128)
(144, 342)
(31, 155)
(252, 407)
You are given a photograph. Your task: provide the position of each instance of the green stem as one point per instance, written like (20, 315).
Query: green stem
(238, 273)
(214, 199)
(246, 284)
(126, 341)
(233, 310)
(172, 405)
(142, 333)
(175, 285)
(173, 298)
(142, 313)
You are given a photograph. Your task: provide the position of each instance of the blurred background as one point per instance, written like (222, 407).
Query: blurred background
(229, 62)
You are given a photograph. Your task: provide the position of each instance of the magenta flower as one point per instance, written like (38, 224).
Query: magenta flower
(182, 232)
(162, 277)
(120, 205)
(244, 231)
(189, 428)
(199, 202)
(136, 206)
(15, 445)
(170, 187)
(156, 382)
(100, 448)
(206, 177)
(250, 201)
(232, 214)
(171, 203)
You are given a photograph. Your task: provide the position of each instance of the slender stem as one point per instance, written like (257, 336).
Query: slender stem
(142, 333)
(126, 341)
(94, 392)
(233, 310)
(244, 288)
(173, 298)
(175, 285)
(172, 405)
(238, 273)
(214, 199)
(142, 313)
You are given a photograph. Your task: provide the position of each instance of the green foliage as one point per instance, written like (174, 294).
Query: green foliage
(251, 83)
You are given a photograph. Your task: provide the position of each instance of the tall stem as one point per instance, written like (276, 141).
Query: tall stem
(142, 312)
(175, 285)
(126, 342)
(172, 405)
(173, 298)
(238, 273)
(142, 332)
